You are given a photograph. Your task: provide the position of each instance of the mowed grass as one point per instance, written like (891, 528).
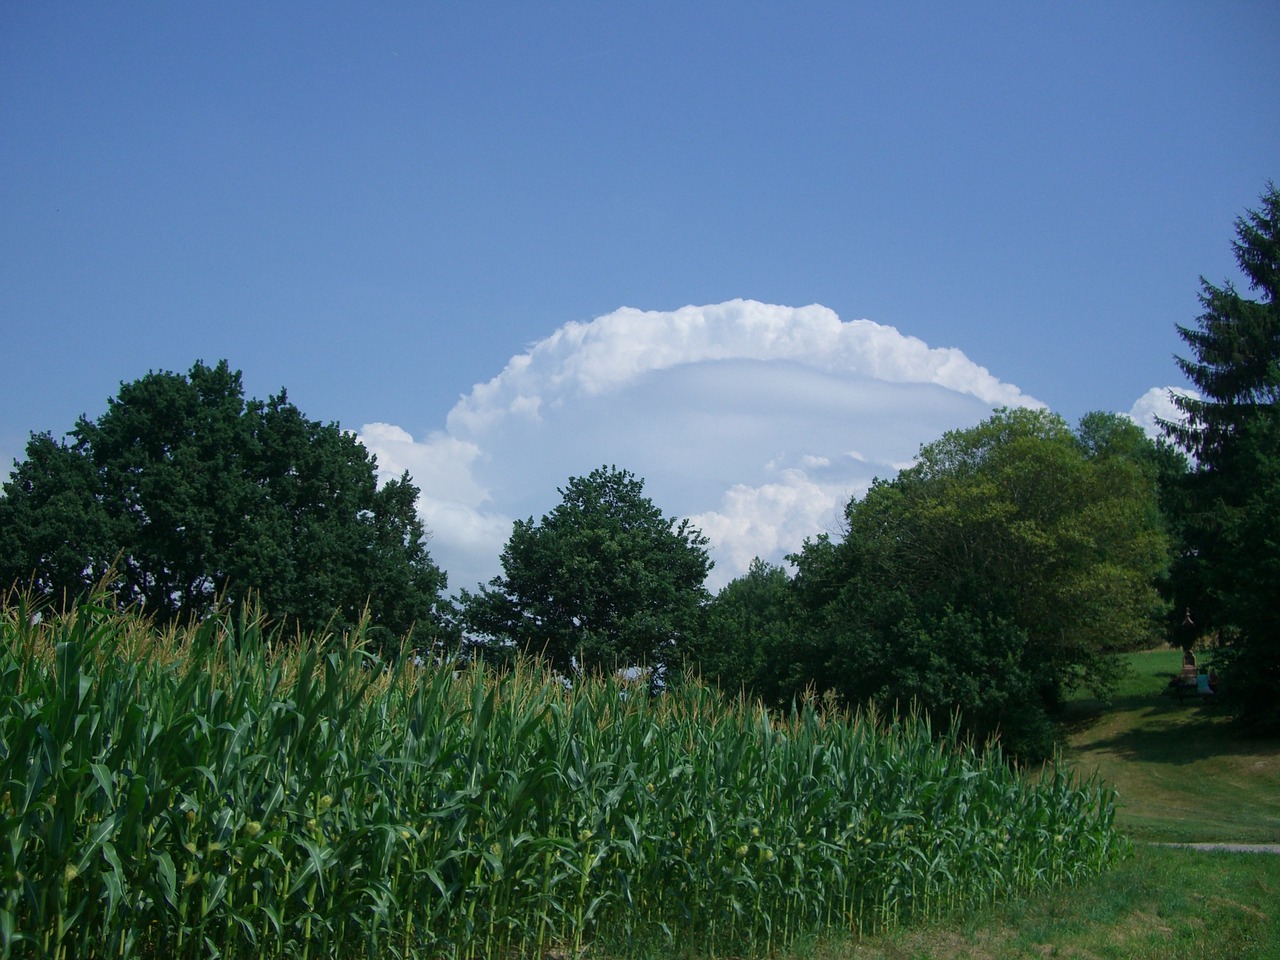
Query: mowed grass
(1160, 904)
(1184, 775)
(1183, 772)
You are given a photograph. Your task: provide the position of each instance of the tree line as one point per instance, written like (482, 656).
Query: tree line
(1003, 569)
(184, 496)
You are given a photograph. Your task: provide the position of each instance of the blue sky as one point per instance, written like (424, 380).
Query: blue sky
(403, 213)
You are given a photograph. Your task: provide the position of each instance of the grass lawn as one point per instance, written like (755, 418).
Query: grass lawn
(1183, 775)
(1182, 771)
(1161, 904)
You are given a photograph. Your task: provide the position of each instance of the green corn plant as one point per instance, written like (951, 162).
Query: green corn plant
(223, 790)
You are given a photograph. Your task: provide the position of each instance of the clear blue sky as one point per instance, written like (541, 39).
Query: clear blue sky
(378, 205)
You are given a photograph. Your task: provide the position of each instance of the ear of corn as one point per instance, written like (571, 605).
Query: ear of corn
(216, 792)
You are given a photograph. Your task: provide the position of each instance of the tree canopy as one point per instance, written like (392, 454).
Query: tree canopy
(1001, 569)
(743, 643)
(604, 580)
(190, 495)
(1229, 572)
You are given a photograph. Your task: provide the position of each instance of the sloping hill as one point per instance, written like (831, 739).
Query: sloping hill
(1182, 771)
(1184, 776)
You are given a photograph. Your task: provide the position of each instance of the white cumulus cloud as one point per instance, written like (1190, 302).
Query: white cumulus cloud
(1157, 404)
(772, 519)
(756, 421)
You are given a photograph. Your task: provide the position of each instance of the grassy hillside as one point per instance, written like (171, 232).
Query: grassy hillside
(1184, 775)
(1161, 904)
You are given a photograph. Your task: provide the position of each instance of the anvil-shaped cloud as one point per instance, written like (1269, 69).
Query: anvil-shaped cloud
(757, 421)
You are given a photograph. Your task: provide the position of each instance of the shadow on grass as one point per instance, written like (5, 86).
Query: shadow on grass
(1160, 728)
(1195, 741)
(1080, 716)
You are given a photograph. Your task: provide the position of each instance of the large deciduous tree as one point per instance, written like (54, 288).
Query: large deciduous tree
(1001, 569)
(189, 496)
(1230, 572)
(603, 581)
(743, 645)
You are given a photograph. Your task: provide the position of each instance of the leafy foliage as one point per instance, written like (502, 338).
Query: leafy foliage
(603, 580)
(1004, 567)
(188, 495)
(745, 635)
(1230, 568)
(186, 795)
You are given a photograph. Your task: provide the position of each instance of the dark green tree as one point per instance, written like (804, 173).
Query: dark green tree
(603, 581)
(55, 533)
(192, 496)
(1002, 569)
(1229, 574)
(746, 634)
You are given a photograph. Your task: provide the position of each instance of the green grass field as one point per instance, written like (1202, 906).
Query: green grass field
(1182, 771)
(1184, 775)
(1161, 904)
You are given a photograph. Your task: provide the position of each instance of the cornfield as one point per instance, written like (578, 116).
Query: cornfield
(216, 792)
